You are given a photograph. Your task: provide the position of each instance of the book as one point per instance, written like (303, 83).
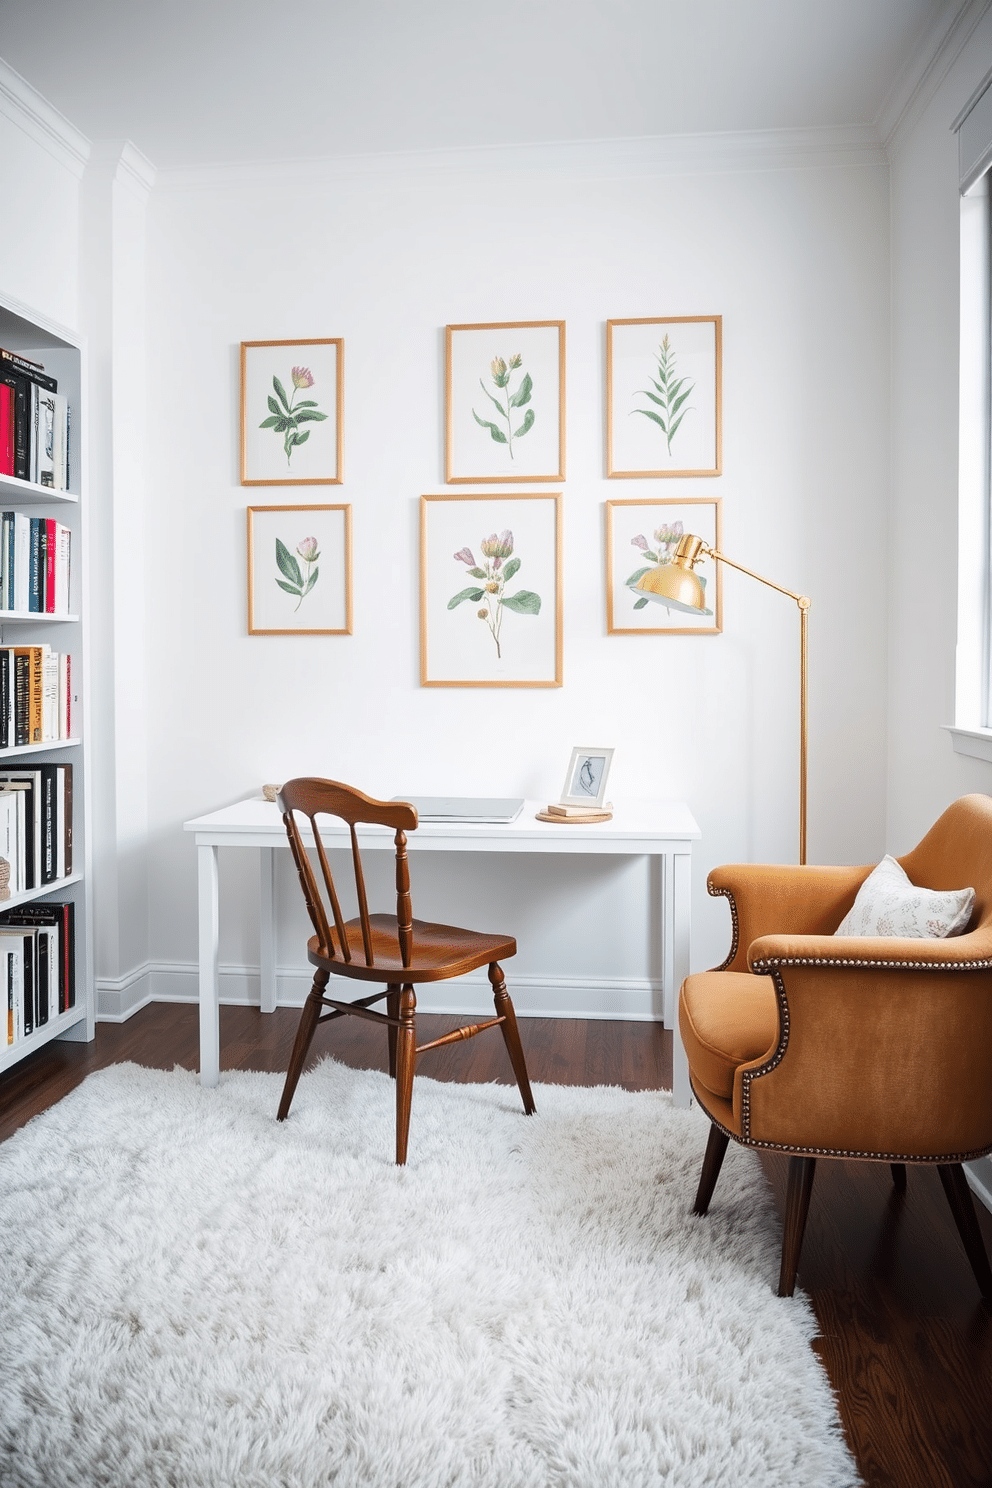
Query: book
(22, 397)
(560, 808)
(29, 663)
(12, 981)
(35, 570)
(65, 699)
(34, 370)
(62, 568)
(21, 990)
(46, 439)
(7, 422)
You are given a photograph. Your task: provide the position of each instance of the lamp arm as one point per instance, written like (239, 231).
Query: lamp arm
(801, 599)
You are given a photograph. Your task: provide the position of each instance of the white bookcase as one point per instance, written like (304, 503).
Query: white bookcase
(63, 355)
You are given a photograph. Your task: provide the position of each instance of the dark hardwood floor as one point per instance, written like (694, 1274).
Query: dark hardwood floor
(905, 1338)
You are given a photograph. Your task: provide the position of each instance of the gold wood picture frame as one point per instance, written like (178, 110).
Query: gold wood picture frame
(663, 396)
(504, 402)
(490, 590)
(643, 533)
(299, 570)
(292, 412)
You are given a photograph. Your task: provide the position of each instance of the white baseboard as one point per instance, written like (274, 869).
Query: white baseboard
(624, 999)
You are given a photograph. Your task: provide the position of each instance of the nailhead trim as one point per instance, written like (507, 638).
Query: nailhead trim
(735, 922)
(766, 966)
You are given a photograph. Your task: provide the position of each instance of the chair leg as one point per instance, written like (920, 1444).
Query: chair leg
(393, 1011)
(801, 1174)
(963, 1208)
(406, 1058)
(511, 1035)
(899, 1176)
(304, 1037)
(716, 1148)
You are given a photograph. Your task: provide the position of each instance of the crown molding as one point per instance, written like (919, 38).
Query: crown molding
(939, 49)
(662, 155)
(125, 162)
(45, 125)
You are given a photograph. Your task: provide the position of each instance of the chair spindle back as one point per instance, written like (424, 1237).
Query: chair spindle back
(310, 797)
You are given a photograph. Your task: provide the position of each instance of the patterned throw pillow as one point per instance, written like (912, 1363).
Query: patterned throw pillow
(888, 904)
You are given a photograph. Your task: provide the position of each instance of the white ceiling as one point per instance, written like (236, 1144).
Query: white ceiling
(206, 81)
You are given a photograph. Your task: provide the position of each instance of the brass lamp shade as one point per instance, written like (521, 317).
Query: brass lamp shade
(674, 584)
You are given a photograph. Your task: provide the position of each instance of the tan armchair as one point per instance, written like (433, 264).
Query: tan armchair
(872, 1048)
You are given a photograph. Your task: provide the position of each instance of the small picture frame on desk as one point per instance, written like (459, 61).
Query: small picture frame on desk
(585, 781)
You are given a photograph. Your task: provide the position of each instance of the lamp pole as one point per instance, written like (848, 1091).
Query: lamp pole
(803, 602)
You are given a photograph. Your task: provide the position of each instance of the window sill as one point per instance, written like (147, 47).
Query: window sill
(976, 742)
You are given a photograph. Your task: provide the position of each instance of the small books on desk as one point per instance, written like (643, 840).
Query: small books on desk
(557, 811)
(465, 808)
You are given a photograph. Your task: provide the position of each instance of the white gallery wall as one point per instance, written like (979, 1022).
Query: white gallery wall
(792, 252)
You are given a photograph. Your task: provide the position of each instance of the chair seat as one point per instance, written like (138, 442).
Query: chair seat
(726, 1018)
(439, 952)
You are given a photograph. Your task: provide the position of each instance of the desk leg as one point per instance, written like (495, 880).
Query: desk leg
(209, 922)
(267, 930)
(679, 922)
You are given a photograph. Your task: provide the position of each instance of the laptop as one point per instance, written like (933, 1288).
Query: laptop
(465, 808)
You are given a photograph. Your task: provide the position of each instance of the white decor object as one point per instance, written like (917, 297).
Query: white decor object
(889, 904)
(197, 1295)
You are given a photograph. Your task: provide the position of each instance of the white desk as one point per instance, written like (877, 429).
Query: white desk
(662, 829)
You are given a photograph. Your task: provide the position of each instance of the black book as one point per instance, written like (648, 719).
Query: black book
(29, 369)
(5, 683)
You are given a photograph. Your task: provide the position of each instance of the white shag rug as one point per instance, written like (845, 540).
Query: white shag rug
(194, 1295)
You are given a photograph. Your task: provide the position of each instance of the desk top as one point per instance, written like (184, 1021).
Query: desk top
(636, 827)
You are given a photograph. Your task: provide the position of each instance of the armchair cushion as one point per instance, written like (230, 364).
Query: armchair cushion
(726, 1018)
(887, 903)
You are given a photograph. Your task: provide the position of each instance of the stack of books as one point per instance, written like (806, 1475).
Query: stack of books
(35, 563)
(556, 811)
(34, 423)
(37, 966)
(36, 824)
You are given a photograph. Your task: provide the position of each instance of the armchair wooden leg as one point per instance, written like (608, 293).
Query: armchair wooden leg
(392, 1011)
(963, 1208)
(801, 1173)
(899, 1176)
(304, 1036)
(511, 1035)
(716, 1149)
(406, 1058)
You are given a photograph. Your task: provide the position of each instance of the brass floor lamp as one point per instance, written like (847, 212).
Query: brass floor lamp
(676, 585)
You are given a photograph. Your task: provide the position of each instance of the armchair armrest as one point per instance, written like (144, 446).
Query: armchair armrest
(885, 1047)
(807, 899)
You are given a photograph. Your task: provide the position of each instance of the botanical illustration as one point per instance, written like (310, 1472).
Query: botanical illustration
(501, 373)
(666, 539)
(497, 569)
(286, 414)
(669, 396)
(296, 580)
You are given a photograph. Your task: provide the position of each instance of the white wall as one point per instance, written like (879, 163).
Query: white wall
(794, 255)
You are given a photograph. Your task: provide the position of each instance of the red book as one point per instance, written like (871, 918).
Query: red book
(6, 429)
(51, 543)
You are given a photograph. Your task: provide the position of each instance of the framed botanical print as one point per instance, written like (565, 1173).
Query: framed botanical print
(299, 570)
(292, 403)
(490, 590)
(504, 402)
(643, 534)
(663, 396)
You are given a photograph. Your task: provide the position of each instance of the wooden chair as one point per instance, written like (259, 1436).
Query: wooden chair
(822, 1045)
(396, 950)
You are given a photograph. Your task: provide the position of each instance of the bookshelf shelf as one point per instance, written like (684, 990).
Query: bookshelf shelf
(35, 338)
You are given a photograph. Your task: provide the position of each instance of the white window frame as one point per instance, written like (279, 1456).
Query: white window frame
(971, 731)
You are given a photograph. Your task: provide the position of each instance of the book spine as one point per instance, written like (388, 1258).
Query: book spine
(4, 698)
(67, 818)
(50, 556)
(7, 419)
(46, 440)
(22, 698)
(34, 566)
